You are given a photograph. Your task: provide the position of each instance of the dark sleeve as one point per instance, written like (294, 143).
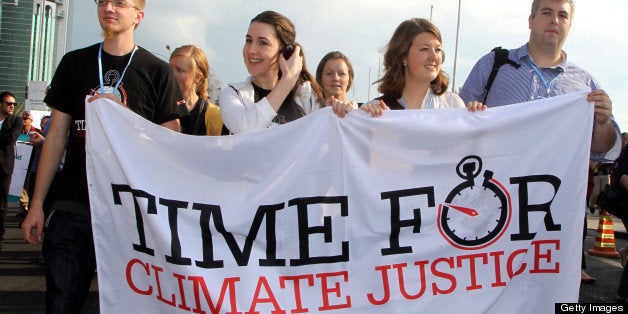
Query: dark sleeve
(55, 95)
(621, 166)
(170, 103)
(391, 102)
(9, 138)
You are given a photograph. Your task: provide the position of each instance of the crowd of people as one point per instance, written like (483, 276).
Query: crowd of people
(278, 90)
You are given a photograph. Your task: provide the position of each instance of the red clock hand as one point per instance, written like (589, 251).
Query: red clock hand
(465, 210)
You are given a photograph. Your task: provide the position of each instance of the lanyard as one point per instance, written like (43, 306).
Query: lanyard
(540, 75)
(100, 77)
(430, 104)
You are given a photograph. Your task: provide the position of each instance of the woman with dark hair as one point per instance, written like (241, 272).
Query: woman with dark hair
(413, 78)
(191, 69)
(335, 75)
(280, 89)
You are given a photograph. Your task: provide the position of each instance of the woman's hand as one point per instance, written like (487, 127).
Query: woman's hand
(340, 108)
(375, 107)
(291, 68)
(474, 106)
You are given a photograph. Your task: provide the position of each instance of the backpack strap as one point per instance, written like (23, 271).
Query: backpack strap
(501, 58)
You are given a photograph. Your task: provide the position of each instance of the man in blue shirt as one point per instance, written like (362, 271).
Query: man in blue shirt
(545, 72)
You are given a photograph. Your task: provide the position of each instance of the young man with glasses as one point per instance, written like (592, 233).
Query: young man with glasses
(10, 128)
(121, 71)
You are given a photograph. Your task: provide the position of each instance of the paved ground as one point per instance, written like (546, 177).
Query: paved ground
(22, 279)
(22, 282)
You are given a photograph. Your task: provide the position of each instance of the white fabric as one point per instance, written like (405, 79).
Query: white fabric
(359, 160)
(445, 100)
(20, 168)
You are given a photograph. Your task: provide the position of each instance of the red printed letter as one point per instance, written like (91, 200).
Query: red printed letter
(449, 261)
(546, 256)
(326, 291)
(297, 290)
(129, 278)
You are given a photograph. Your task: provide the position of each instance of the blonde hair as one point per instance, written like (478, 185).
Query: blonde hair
(199, 64)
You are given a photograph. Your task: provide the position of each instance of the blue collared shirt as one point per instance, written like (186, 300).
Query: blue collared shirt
(514, 85)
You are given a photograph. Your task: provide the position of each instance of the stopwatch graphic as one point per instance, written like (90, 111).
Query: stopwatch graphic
(476, 213)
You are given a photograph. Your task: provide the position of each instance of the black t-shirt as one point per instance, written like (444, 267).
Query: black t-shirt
(194, 123)
(391, 102)
(289, 110)
(148, 88)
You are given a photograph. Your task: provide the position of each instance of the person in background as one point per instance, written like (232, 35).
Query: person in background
(620, 181)
(335, 75)
(10, 127)
(600, 173)
(413, 77)
(33, 133)
(28, 127)
(37, 141)
(280, 88)
(191, 70)
(125, 74)
(543, 72)
(43, 122)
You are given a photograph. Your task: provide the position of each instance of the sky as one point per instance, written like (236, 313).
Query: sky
(361, 29)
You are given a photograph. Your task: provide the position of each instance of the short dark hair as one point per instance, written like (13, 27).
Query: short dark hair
(5, 94)
(536, 4)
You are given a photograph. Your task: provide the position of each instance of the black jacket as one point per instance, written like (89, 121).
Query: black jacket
(10, 130)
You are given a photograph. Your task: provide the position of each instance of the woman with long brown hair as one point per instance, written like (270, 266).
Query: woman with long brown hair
(413, 78)
(280, 88)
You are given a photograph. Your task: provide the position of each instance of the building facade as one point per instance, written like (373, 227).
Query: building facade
(33, 36)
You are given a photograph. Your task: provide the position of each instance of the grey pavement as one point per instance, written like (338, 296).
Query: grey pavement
(22, 279)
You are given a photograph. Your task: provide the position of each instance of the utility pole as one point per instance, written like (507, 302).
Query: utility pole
(453, 80)
(369, 92)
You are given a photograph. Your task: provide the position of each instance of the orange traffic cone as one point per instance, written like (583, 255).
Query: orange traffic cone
(604, 238)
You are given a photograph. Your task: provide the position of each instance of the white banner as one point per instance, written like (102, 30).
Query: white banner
(417, 211)
(20, 168)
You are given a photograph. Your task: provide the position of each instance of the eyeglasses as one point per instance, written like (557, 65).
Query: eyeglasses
(9, 103)
(116, 4)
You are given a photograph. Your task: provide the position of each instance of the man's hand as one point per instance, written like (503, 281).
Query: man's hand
(33, 225)
(603, 106)
(108, 96)
(36, 139)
